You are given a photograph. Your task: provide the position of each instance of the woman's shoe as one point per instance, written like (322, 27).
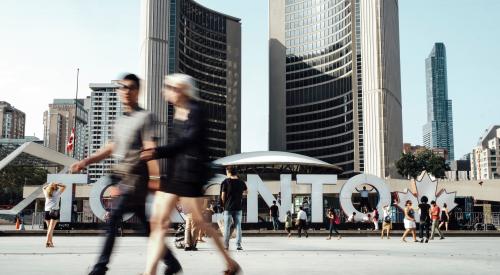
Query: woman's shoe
(47, 245)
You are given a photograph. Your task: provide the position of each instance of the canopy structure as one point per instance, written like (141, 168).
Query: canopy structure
(32, 154)
(274, 162)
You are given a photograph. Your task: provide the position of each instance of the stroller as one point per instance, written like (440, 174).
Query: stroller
(179, 236)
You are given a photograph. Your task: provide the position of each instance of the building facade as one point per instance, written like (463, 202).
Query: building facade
(334, 78)
(12, 121)
(104, 108)
(58, 123)
(181, 36)
(438, 132)
(485, 157)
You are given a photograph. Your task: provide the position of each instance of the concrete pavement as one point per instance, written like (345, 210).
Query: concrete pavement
(264, 255)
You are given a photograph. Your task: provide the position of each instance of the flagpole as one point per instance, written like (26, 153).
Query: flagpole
(76, 111)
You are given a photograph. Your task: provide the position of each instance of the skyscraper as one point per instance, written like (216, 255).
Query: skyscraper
(105, 107)
(335, 91)
(58, 123)
(438, 132)
(181, 36)
(12, 121)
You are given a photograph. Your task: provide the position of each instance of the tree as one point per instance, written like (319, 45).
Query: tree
(411, 165)
(13, 178)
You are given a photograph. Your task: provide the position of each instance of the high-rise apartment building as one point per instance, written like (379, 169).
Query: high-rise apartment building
(485, 158)
(58, 123)
(335, 91)
(12, 121)
(182, 36)
(438, 132)
(105, 107)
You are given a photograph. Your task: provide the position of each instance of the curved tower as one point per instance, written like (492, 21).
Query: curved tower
(325, 62)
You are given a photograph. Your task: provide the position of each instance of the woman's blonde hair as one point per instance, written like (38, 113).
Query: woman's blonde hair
(51, 189)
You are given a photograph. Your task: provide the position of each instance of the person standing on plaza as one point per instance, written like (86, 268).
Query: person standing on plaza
(387, 222)
(375, 218)
(187, 170)
(232, 191)
(288, 223)
(302, 222)
(409, 222)
(332, 218)
(435, 211)
(52, 193)
(425, 218)
(274, 214)
(445, 217)
(132, 132)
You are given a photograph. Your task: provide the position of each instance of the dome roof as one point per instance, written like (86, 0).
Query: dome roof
(276, 159)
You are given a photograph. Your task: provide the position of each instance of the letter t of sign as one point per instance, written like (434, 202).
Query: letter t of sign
(317, 182)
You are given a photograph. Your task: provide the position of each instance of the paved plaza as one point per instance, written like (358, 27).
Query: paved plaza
(264, 255)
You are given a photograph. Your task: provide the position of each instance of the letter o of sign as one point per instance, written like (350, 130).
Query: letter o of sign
(96, 194)
(363, 179)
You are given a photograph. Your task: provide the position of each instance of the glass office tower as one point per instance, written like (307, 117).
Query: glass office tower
(438, 132)
(330, 96)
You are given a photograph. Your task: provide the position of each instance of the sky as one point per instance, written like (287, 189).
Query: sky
(44, 42)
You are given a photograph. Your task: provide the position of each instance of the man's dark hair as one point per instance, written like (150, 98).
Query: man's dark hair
(424, 199)
(364, 187)
(134, 78)
(354, 213)
(274, 202)
(301, 208)
(445, 205)
(232, 170)
(433, 202)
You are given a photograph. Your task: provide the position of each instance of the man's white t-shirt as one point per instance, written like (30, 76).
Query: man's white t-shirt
(364, 193)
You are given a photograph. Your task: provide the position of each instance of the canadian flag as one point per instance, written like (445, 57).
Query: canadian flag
(71, 140)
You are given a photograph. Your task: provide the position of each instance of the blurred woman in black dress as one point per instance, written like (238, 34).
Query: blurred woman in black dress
(187, 171)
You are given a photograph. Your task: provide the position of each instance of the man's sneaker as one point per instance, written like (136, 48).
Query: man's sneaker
(421, 240)
(441, 238)
(98, 271)
(239, 248)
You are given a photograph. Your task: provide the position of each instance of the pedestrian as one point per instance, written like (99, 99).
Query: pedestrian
(233, 190)
(409, 222)
(445, 217)
(301, 222)
(367, 221)
(435, 211)
(52, 193)
(288, 223)
(425, 219)
(387, 222)
(190, 230)
(364, 198)
(332, 218)
(187, 170)
(352, 218)
(132, 132)
(274, 213)
(375, 218)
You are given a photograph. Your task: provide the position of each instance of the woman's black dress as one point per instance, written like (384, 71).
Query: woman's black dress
(186, 155)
